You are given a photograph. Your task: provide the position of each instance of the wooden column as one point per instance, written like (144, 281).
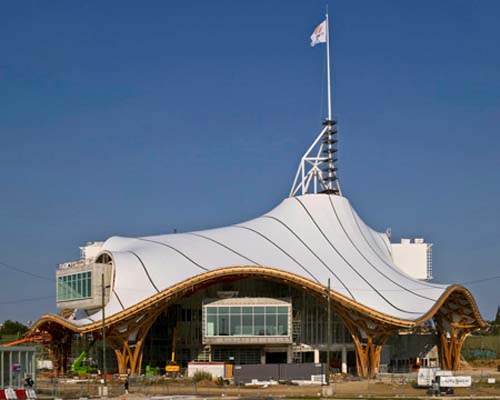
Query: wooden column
(367, 344)
(451, 342)
(59, 349)
(361, 356)
(454, 324)
(129, 354)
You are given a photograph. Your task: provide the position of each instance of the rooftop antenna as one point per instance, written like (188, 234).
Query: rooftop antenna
(317, 172)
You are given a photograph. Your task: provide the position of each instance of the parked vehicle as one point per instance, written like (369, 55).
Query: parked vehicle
(426, 376)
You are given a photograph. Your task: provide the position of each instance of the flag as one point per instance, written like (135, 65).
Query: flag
(319, 34)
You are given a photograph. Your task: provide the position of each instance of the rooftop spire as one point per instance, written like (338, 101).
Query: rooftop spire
(317, 172)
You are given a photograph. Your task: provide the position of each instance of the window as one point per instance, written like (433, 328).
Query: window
(246, 321)
(75, 286)
(212, 325)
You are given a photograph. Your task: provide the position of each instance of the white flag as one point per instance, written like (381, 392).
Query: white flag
(319, 34)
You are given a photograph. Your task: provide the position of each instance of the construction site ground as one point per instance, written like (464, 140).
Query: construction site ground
(384, 386)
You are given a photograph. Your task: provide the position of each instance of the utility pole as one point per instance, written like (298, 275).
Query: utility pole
(329, 335)
(104, 371)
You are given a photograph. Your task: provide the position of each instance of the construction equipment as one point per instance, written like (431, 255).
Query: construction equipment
(152, 371)
(43, 338)
(84, 365)
(172, 367)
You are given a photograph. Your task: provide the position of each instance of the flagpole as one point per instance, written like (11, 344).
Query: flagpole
(330, 146)
(328, 66)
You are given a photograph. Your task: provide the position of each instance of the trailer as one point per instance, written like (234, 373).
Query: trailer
(426, 376)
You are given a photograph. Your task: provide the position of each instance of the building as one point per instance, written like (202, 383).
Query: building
(16, 363)
(414, 258)
(308, 281)
(257, 291)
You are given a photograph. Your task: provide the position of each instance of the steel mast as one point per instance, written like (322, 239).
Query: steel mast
(317, 172)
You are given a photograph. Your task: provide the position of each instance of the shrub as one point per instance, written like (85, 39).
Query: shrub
(202, 376)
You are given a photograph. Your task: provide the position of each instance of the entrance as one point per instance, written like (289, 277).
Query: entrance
(276, 358)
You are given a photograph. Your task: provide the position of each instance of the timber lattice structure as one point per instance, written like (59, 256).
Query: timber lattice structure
(455, 313)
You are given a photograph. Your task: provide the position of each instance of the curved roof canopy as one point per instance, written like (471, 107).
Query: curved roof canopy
(315, 236)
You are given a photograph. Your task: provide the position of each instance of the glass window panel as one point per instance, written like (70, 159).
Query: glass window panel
(88, 292)
(84, 287)
(223, 325)
(283, 310)
(271, 322)
(259, 325)
(283, 325)
(59, 288)
(270, 310)
(212, 325)
(247, 325)
(64, 288)
(235, 324)
(235, 310)
(74, 286)
(258, 310)
(246, 310)
(223, 310)
(211, 310)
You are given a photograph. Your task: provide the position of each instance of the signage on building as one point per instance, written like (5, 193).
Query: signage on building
(16, 367)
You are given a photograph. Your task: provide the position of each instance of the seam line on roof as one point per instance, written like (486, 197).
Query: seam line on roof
(118, 298)
(145, 270)
(349, 264)
(355, 218)
(370, 232)
(174, 249)
(224, 246)
(282, 250)
(373, 265)
(313, 253)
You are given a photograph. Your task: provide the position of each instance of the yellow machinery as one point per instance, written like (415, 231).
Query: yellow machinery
(172, 367)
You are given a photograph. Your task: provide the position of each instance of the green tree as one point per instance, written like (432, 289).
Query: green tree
(12, 328)
(495, 325)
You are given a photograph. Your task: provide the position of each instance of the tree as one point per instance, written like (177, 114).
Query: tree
(12, 328)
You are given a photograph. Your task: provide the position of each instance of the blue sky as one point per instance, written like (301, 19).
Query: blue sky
(135, 118)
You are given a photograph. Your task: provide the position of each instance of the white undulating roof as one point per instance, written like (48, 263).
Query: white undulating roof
(317, 236)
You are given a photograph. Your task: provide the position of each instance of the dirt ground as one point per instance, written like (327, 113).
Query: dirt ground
(385, 386)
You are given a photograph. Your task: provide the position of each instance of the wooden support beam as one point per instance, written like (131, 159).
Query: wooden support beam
(452, 333)
(367, 343)
(451, 346)
(129, 356)
(59, 349)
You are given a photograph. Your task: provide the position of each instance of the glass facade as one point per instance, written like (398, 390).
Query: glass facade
(246, 320)
(75, 286)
